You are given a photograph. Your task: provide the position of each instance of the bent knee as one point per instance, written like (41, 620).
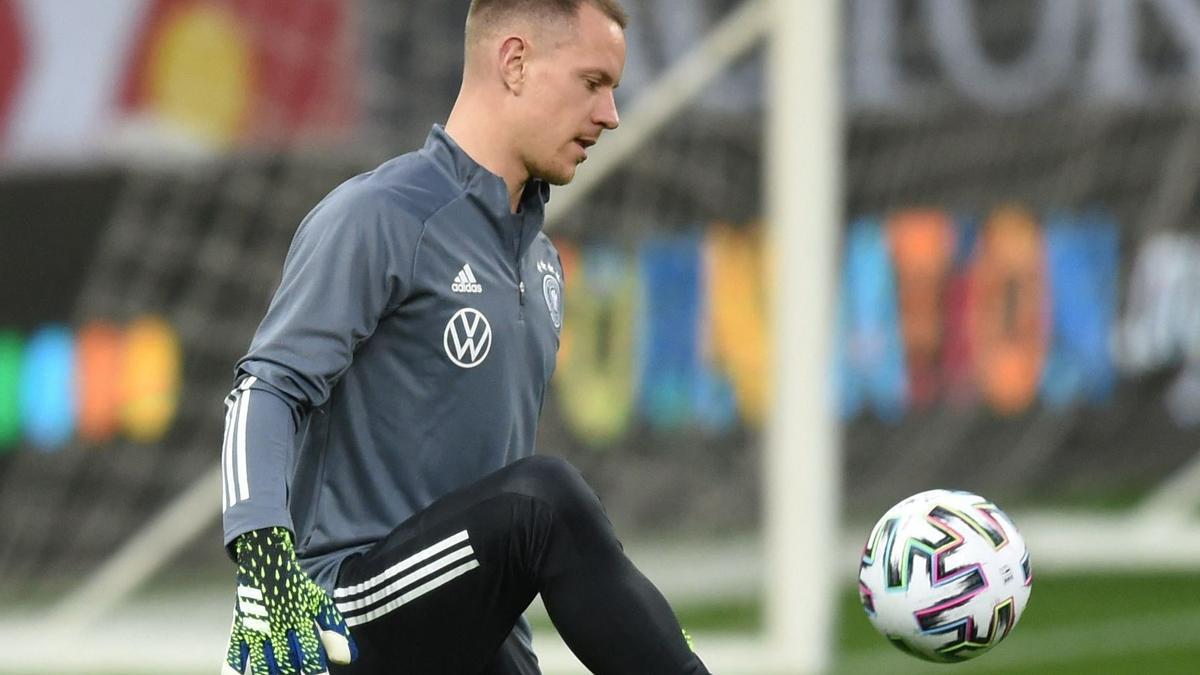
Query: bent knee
(555, 481)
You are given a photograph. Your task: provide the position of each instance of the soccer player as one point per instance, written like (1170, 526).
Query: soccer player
(379, 468)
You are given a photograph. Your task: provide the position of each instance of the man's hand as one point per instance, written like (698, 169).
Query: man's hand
(284, 623)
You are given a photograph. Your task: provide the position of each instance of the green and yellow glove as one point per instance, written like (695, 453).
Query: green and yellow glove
(284, 623)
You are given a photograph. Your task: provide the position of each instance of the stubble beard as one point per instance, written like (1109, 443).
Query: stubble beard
(552, 173)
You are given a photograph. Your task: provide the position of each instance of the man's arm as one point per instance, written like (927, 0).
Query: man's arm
(348, 265)
(343, 272)
(260, 430)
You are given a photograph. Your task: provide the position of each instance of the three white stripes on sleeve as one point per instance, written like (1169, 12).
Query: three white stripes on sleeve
(235, 483)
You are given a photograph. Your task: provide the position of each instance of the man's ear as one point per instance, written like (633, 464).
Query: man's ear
(513, 54)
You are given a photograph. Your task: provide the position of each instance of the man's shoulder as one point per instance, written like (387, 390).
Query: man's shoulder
(407, 188)
(413, 183)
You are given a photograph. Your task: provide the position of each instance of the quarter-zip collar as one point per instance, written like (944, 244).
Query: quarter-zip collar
(485, 187)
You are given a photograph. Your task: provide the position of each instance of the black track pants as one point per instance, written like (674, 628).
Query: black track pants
(443, 592)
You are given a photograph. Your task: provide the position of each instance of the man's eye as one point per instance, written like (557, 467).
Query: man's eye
(593, 85)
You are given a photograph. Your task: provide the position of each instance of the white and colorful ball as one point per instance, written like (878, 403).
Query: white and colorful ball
(945, 575)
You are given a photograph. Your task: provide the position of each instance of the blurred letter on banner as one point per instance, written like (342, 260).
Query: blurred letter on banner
(1082, 259)
(99, 367)
(48, 388)
(596, 362)
(151, 380)
(737, 310)
(1008, 311)
(922, 243)
(670, 328)
(10, 389)
(871, 356)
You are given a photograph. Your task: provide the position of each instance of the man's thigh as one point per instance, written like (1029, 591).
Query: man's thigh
(442, 592)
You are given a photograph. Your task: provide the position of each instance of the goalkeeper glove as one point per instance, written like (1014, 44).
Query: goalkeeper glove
(284, 623)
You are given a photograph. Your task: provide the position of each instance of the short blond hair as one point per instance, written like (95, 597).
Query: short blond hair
(486, 14)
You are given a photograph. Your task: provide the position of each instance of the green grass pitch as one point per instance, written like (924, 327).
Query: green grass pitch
(1095, 624)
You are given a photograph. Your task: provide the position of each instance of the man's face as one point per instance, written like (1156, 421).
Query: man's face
(569, 98)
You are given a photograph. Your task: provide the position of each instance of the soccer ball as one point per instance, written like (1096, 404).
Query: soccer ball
(945, 575)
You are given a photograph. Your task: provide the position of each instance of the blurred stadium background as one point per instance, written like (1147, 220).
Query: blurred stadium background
(1017, 305)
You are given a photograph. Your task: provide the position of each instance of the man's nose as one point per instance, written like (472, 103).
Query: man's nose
(606, 113)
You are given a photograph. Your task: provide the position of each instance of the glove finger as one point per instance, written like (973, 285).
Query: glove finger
(339, 647)
(301, 651)
(314, 657)
(237, 663)
(328, 616)
(238, 653)
(335, 633)
(274, 667)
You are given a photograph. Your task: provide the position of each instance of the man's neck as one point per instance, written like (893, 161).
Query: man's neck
(475, 136)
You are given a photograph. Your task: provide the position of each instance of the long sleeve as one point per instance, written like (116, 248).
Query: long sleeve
(347, 267)
(260, 429)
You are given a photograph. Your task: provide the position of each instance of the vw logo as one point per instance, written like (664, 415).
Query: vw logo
(468, 337)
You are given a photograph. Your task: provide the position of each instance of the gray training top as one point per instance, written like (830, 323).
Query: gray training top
(405, 354)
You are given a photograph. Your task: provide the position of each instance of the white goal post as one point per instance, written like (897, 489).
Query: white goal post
(802, 469)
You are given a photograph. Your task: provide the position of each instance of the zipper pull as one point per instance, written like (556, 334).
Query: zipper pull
(521, 288)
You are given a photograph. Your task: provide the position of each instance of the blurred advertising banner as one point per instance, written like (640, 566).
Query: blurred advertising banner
(914, 55)
(1007, 312)
(80, 80)
(1003, 312)
(92, 385)
(75, 375)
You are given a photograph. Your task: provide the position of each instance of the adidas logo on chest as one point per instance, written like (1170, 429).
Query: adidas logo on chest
(465, 282)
